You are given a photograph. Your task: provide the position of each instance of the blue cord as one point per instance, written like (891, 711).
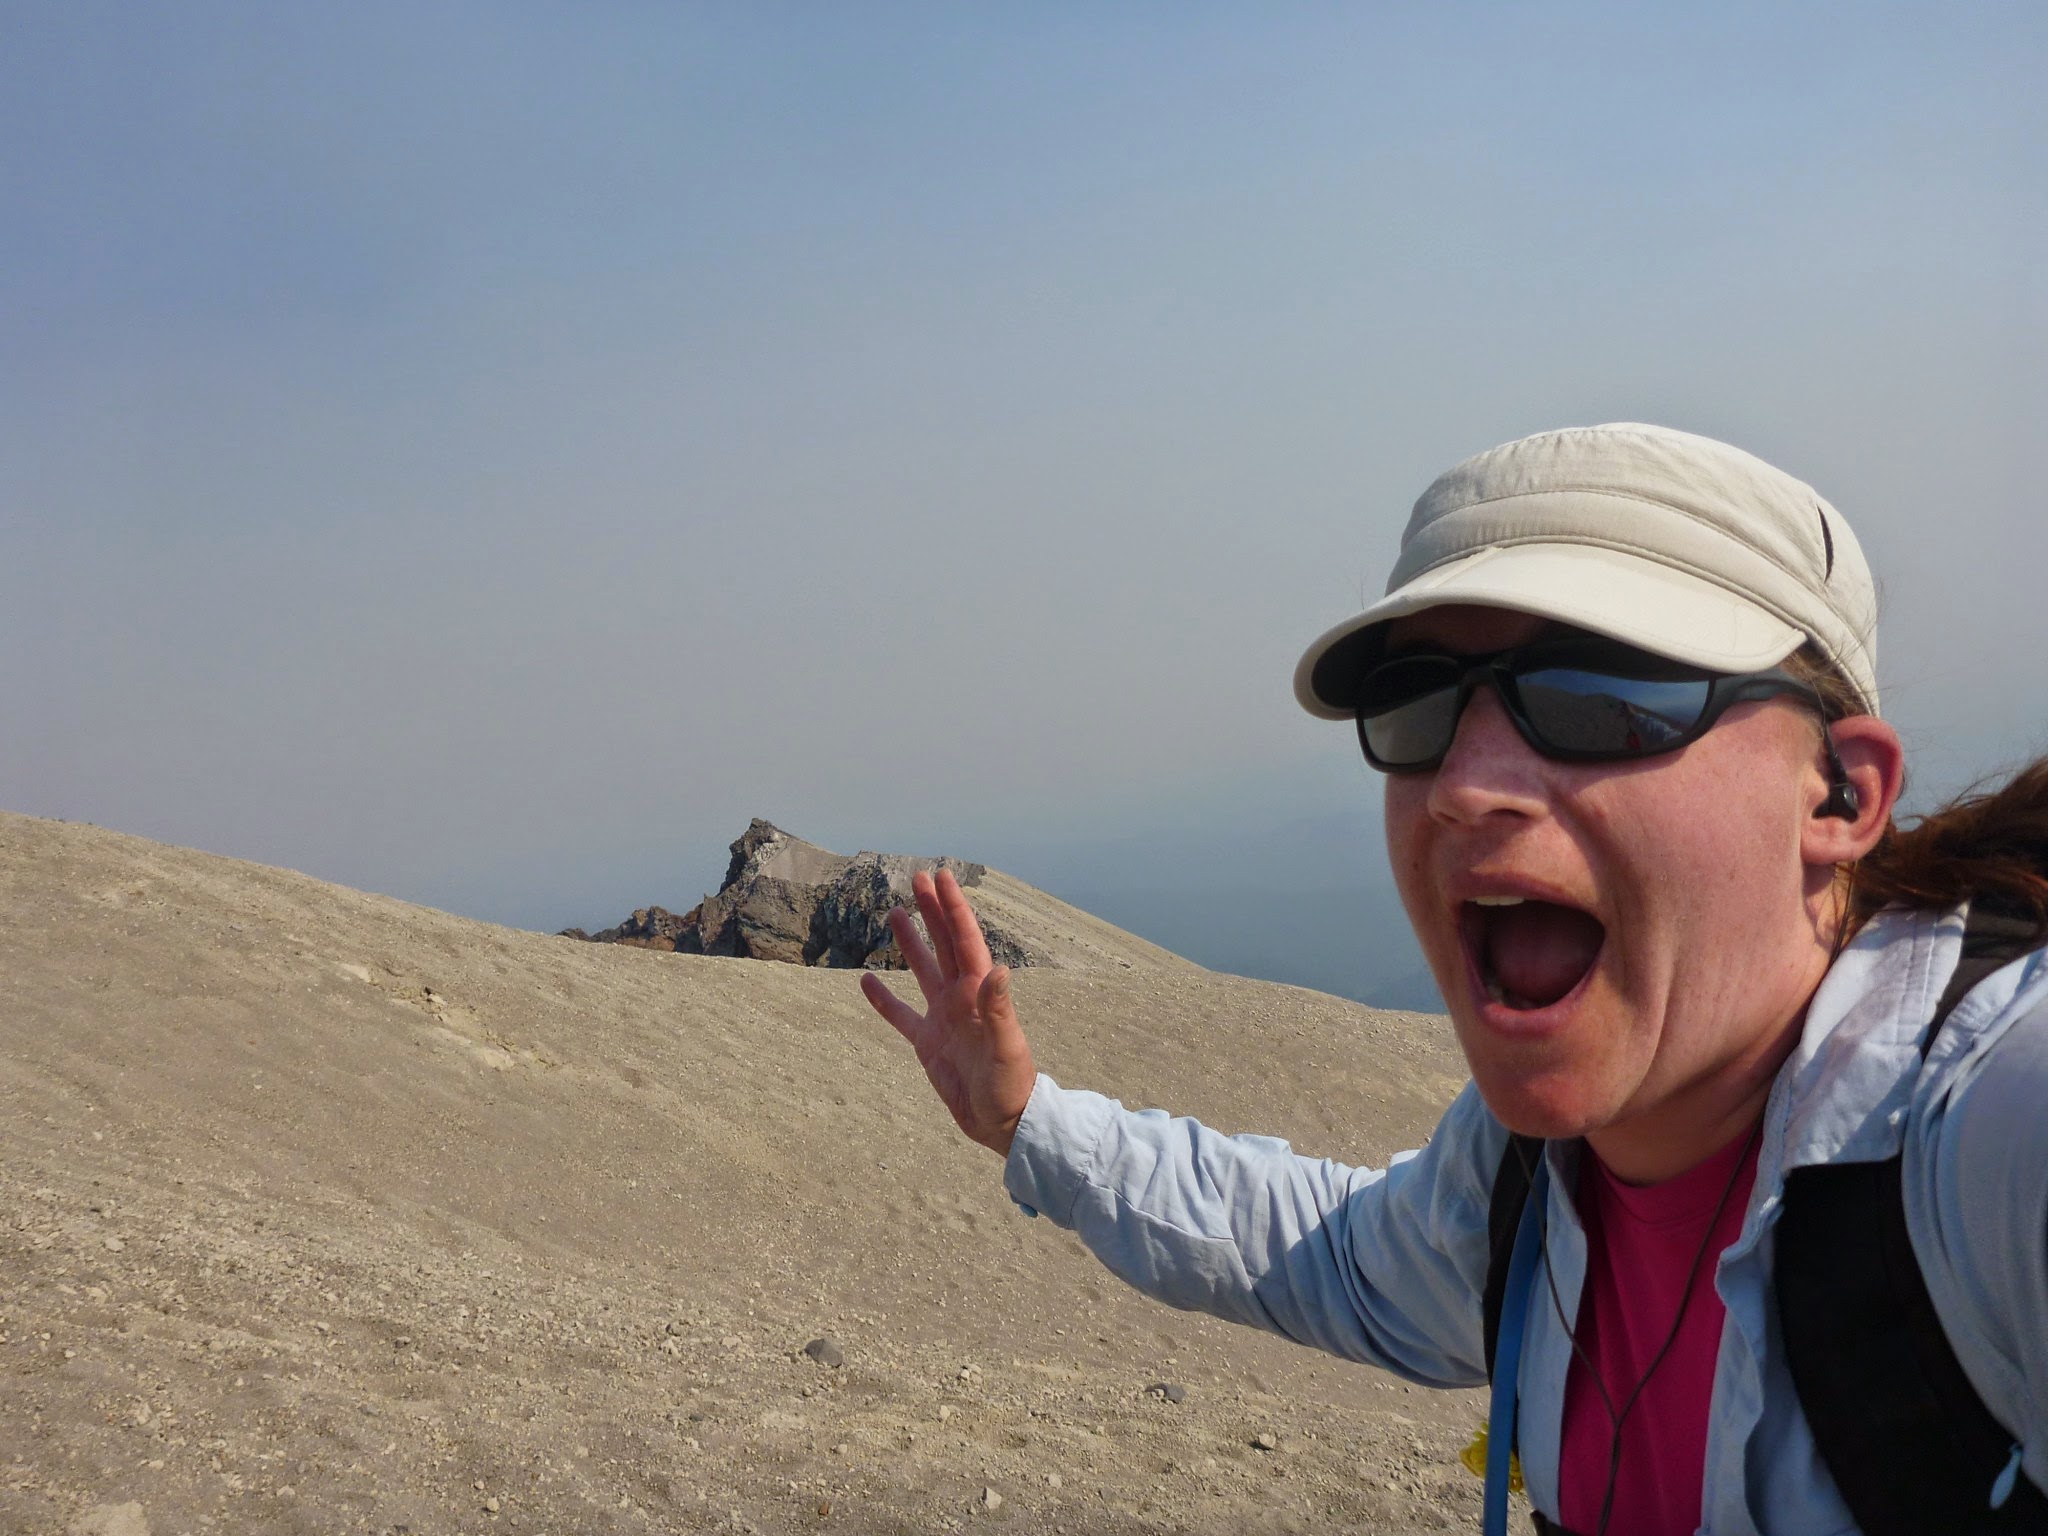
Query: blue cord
(1507, 1355)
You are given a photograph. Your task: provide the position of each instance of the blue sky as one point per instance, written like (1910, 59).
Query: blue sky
(487, 453)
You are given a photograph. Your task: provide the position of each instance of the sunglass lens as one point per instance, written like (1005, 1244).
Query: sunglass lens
(1599, 714)
(1408, 710)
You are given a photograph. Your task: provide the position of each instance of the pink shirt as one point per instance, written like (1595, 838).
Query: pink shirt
(1641, 1242)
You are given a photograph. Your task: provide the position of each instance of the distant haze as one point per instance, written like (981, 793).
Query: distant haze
(486, 455)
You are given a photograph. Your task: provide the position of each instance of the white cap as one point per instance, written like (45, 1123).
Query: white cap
(1678, 544)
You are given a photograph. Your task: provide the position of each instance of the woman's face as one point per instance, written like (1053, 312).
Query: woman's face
(1626, 948)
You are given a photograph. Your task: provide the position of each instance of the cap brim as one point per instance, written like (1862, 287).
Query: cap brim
(1608, 591)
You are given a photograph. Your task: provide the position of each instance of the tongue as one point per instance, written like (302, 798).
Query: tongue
(1538, 951)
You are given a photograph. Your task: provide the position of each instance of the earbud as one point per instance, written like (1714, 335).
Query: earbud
(1842, 803)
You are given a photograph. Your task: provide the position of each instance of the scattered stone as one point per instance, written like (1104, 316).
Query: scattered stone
(491, 1505)
(826, 1353)
(1265, 1440)
(115, 1245)
(1052, 1480)
(111, 1520)
(945, 1412)
(990, 1500)
(1167, 1391)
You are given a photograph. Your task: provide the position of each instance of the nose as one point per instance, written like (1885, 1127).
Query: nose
(1489, 770)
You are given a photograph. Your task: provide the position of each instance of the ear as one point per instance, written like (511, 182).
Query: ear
(1874, 762)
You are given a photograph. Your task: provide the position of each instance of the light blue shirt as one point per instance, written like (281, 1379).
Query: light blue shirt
(1388, 1265)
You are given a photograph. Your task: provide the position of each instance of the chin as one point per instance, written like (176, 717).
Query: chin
(1545, 1098)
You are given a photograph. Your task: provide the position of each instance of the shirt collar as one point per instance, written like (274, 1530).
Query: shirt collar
(1846, 1085)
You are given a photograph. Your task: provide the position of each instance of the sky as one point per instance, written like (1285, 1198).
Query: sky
(486, 454)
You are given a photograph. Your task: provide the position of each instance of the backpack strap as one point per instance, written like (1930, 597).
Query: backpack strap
(1910, 1444)
(1503, 1220)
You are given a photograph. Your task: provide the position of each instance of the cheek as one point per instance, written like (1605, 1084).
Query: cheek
(1407, 822)
(1699, 889)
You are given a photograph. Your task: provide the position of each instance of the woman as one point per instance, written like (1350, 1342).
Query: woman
(1639, 809)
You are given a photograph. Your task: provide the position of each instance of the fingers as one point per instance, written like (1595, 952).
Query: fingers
(903, 1018)
(968, 944)
(916, 954)
(935, 923)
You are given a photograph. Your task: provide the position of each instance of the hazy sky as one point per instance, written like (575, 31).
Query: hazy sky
(485, 453)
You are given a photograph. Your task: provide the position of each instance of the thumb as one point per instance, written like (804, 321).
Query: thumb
(992, 1001)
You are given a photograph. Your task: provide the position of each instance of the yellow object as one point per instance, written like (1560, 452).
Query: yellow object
(1474, 1457)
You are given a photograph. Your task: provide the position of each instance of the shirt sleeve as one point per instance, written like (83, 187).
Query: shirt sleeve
(1992, 1171)
(1381, 1265)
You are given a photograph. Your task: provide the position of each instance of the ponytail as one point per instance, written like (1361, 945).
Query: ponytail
(1989, 847)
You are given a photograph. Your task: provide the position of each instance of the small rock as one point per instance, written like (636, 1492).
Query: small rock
(403, 1341)
(111, 1520)
(841, 1448)
(1265, 1440)
(115, 1245)
(826, 1353)
(990, 1500)
(945, 1412)
(1052, 1480)
(675, 1330)
(491, 1505)
(1167, 1391)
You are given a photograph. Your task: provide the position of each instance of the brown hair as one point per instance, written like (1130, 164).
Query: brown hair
(1989, 845)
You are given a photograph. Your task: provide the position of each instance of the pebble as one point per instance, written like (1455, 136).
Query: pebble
(1167, 1391)
(991, 1500)
(1265, 1440)
(826, 1353)
(945, 1412)
(1052, 1480)
(491, 1505)
(115, 1245)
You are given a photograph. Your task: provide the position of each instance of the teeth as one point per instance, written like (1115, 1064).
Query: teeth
(1497, 901)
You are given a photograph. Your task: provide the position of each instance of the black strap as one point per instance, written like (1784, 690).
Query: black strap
(1992, 940)
(1908, 1441)
(1503, 1220)
(1910, 1444)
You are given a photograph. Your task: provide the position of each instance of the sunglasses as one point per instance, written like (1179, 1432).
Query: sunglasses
(1576, 698)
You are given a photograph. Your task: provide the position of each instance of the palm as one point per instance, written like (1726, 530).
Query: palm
(967, 1040)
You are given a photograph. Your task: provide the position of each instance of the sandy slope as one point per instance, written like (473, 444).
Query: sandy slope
(323, 1212)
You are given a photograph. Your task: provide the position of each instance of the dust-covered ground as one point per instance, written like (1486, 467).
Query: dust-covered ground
(322, 1212)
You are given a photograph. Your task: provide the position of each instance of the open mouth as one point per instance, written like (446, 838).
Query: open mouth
(1527, 953)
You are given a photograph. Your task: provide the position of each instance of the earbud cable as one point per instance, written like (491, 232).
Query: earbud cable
(1618, 1418)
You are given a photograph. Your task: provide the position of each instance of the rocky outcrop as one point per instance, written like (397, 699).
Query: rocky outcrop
(786, 899)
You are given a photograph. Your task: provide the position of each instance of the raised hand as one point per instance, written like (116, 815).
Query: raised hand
(968, 1040)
